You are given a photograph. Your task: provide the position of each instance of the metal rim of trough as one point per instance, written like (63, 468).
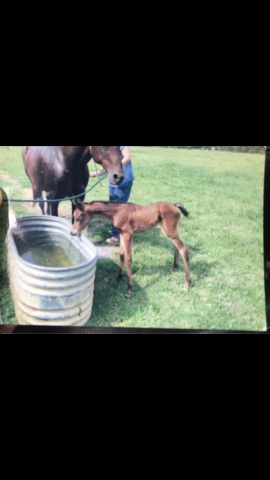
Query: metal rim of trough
(51, 296)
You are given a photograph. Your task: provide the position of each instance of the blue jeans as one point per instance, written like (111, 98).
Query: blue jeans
(120, 194)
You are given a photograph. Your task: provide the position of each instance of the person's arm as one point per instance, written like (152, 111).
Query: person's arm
(127, 155)
(100, 172)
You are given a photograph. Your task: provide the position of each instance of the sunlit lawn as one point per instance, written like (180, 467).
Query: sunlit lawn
(224, 194)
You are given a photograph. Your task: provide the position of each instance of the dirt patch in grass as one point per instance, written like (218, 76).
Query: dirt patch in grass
(14, 190)
(108, 252)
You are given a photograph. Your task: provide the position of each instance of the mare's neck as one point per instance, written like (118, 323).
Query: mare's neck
(73, 151)
(75, 155)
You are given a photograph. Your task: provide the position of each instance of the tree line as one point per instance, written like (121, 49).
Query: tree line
(244, 149)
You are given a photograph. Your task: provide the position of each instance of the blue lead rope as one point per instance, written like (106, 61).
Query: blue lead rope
(59, 200)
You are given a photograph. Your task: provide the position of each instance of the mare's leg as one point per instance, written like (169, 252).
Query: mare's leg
(48, 210)
(37, 195)
(122, 259)
(54, 209)
(73, 207)
(127, 241)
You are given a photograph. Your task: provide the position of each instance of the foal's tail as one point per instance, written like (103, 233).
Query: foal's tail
(182, 208)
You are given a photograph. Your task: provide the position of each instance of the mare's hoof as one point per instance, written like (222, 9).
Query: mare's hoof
(187, 286)
(128, 296)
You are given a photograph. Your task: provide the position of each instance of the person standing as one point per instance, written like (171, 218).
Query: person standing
(121, 193)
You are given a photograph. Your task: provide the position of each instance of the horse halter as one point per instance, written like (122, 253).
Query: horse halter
(98, 175)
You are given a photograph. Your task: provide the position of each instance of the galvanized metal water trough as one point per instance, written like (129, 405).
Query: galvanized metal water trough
(51, 295)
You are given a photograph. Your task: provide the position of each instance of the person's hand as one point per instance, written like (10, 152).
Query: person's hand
(99, 172)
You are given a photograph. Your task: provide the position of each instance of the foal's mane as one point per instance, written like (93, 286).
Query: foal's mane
(109, 207)
(108, 203)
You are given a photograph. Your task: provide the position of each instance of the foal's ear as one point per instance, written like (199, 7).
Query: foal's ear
(79, 204)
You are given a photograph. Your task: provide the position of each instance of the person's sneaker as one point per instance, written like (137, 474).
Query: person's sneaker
(113, 240)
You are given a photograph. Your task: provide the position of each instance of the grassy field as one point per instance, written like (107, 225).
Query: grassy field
(224, 194)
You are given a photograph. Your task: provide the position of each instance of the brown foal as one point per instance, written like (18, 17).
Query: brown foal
(128, 219)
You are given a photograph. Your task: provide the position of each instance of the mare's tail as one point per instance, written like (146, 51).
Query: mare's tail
(182, 208)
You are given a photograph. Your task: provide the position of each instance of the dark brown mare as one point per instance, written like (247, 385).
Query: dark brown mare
(128, 219)
(63, 172)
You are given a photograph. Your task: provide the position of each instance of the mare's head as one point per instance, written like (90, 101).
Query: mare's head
(110, 159)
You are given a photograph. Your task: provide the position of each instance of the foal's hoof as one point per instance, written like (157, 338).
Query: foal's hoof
(187, 286)
(128, 296)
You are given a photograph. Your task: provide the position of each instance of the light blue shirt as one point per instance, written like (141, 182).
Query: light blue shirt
(128, 169)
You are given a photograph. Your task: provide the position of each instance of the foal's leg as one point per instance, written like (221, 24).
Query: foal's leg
(170, 228)
(122, 259)
(127, 241)
(182, 248)
(176, 259)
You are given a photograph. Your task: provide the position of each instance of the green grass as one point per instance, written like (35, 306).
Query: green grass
(223, 192)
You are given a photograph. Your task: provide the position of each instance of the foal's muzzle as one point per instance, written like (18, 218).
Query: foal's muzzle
(75, 233)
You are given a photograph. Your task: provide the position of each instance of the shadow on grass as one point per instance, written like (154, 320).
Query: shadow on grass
(156, 238)
(99, 230)
(110, 307)
(200, 268)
